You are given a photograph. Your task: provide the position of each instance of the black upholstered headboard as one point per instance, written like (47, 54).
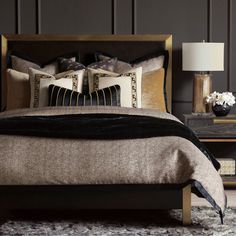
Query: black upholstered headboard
(43, 48)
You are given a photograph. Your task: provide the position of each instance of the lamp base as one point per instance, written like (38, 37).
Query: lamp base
(202, 87)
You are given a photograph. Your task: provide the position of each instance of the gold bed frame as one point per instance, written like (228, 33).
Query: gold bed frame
(166, 39)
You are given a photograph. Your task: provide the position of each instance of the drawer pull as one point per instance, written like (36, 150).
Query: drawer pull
(224, 121)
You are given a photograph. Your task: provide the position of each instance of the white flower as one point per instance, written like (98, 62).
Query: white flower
(226, 98)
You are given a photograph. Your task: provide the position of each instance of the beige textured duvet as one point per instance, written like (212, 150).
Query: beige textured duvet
(46, 161)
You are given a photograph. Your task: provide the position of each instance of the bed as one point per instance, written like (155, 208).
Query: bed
(52, 179)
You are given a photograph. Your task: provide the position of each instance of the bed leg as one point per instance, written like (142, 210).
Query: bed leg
(186, 205)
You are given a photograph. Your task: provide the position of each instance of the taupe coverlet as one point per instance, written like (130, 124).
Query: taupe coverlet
(160, 160)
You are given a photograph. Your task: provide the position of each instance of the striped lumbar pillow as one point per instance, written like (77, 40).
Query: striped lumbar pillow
(59, 96)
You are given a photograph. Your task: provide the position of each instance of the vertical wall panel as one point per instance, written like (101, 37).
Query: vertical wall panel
(232, 22)
(123, 16)
(76, 16)
(8, 17)
(28, 16)
(186, 20)
(219, 33)
(181, 108)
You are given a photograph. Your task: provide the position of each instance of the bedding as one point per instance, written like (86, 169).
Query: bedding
(152, 90)
(22, 63)
(129, 82)
(105, 145)
(40, 81)
(59, 96)
(18, 90)
(150, 62)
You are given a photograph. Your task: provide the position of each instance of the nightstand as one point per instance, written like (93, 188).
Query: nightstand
(218, 134)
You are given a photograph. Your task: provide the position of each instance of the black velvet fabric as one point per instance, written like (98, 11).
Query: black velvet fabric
(59, 96)
(100, 127)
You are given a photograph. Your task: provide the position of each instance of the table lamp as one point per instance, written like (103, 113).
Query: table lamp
(202, 57)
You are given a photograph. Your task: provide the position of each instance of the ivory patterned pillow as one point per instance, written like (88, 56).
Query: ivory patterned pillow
(40, 81)
(129, 82)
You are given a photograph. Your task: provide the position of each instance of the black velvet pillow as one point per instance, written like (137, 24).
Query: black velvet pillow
(59, 96)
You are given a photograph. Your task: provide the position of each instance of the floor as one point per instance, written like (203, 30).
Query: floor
(231, 198)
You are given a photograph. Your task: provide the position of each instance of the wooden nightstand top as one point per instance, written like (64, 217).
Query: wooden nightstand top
(210, 128)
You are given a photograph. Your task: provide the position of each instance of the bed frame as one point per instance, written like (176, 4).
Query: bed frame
(126, 47)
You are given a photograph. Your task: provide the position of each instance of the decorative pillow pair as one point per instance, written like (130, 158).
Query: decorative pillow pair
(72, 83)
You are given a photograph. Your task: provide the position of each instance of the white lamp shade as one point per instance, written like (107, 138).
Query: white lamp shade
(203, 56)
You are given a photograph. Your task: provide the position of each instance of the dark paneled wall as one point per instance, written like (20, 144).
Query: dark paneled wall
(186, 20)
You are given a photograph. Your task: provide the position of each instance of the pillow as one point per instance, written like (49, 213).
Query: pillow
(18, 90)
(22, 64)
(153, 90)
(149, 62)
(129, 82)
(67, 64)
(92, 73)
(40, 81)
(59, 96)
(120, 67)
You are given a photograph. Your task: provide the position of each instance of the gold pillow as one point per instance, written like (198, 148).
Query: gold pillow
(153, 90)
(18, 90)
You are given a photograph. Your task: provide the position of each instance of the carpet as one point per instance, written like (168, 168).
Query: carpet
(204, 222)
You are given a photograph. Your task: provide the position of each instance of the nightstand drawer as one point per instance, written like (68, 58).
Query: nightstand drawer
(195, 121)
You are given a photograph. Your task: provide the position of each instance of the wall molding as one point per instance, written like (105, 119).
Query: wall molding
(114, 17)
(18, 16)
(229, 54)
(134, 16)
(38, 16)
(209, 20)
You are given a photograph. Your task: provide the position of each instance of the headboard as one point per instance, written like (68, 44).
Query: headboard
(43, 48)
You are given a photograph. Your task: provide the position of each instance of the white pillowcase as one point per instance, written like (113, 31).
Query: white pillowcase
(129, 82)
(40, 81)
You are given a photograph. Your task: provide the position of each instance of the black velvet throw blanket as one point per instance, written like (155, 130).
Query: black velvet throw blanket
(100, 127)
